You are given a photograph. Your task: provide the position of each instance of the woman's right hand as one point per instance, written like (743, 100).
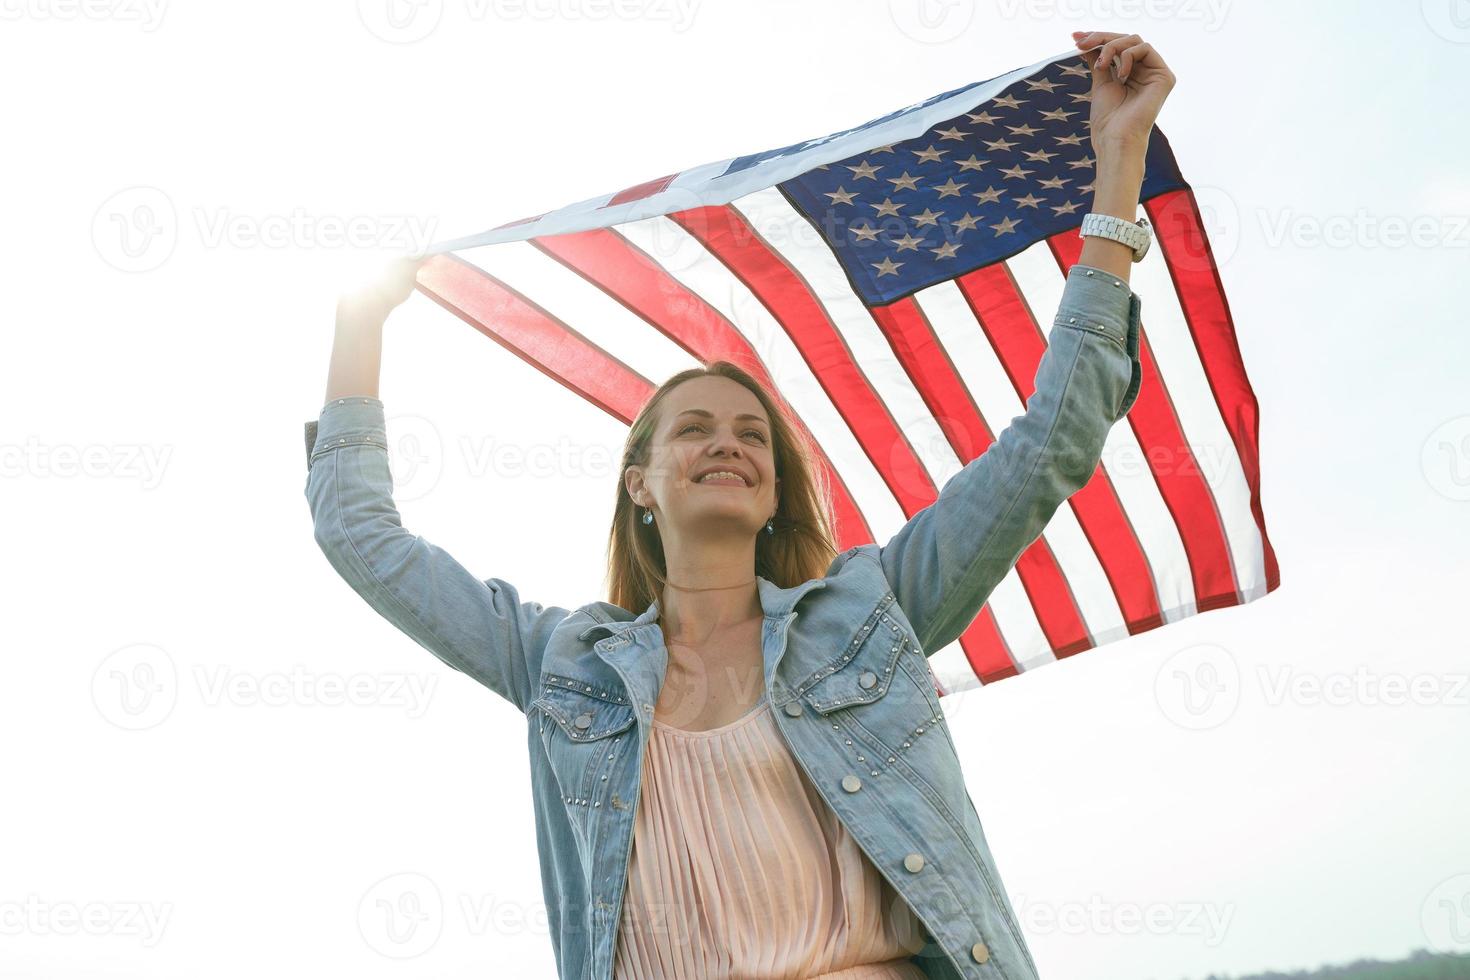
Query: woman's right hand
(357, 351)
(387, 290)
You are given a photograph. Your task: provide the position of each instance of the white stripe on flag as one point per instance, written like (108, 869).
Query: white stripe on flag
(584, 307)
(1204, 431)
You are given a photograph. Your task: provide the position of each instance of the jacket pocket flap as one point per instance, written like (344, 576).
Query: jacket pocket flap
(866, 668)
(583, 717)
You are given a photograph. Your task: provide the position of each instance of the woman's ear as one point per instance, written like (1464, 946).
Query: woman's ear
(633, 483)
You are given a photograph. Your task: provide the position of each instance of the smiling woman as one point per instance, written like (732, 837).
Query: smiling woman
(791, 785)
(665, 539)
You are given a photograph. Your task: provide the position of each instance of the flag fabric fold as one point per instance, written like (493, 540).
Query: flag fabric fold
(893, 284)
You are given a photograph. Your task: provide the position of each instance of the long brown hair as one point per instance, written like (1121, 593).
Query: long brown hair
(802, 546)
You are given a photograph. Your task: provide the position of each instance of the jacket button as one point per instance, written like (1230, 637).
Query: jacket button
(867, 679)
(583, 721)
(793, 708)
(851, 783)
(914, 862)
(980, 952)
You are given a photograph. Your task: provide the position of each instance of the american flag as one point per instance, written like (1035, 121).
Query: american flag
(894, 284)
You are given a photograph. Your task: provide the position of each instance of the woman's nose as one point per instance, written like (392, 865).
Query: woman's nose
(725, 441)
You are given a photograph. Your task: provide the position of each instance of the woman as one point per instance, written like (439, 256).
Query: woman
(752, 777)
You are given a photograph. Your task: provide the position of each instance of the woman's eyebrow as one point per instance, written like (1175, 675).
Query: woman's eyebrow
(710, 415)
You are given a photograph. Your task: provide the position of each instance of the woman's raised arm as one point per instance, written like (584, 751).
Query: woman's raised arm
(946, 560)
(479, 627)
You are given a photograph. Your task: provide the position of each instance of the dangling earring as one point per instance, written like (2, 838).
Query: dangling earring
(648, 517)
(769, 529)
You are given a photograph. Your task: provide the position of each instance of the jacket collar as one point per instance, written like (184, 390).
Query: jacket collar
(636, 650)
(776, 602)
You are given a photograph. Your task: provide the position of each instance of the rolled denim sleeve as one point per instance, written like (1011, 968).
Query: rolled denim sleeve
(947, 559)
(479, 627)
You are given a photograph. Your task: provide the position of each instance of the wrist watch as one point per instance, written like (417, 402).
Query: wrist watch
(1136, 235)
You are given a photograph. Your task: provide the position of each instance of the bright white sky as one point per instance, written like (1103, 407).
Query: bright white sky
(249, 825)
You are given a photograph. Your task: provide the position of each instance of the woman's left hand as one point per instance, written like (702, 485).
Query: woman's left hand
(1126, 103)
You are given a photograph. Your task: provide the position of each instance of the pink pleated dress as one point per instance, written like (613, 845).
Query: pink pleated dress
(740, 870)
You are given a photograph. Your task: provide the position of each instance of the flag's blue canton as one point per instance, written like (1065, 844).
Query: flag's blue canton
(973, 190)
(751, 159)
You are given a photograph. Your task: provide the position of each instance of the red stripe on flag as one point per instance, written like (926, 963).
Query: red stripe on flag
(534, 335)
(1186, 248)
(1181, 482)
(639, 191)
(612, 264)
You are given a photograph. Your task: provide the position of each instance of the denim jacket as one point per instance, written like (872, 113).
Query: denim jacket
(845, 655)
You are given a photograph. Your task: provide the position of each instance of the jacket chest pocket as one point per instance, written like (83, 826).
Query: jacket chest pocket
(582, 734)
(878, 689)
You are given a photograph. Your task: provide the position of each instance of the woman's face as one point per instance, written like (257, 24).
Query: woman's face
(708, 424)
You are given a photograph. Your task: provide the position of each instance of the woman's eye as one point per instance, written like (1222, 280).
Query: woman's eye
(755, 432)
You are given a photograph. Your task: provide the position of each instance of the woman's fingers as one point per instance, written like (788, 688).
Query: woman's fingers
(1132, 56)
(1123, 52)
(1116, 46)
